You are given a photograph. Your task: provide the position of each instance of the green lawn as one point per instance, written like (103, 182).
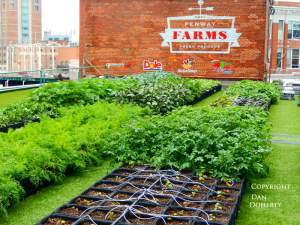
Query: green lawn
(284, 170)
(13, 97)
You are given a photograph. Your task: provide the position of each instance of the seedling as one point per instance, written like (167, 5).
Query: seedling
(228, 182)
(168, 183)
(194, 193)
(211, 217)
(86, 201)
(118, 178)
(131, 164)
(181, 212)
(111, 215)
(220, 195)
(217, 206)
(186, 204)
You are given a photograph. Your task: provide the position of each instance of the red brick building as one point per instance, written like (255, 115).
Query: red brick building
(199, 39)
(284, 42)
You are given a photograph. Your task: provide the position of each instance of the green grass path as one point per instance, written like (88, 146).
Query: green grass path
(13, 97)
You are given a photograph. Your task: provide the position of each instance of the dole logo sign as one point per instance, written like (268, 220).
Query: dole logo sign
(152, 66)
(200, 33)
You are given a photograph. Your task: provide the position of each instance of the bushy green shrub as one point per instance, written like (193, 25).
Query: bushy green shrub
(255, 90)
(223, 141)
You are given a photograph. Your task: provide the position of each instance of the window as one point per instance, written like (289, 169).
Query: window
(4, 20)
(279, 55)
(4, 54)
(3, 4)
(295, 58)
(4, 34)
(3, 13)
(294, 29)
(50, 39)
(4, 27)
(42, 64)
(0, 61)
(11, 4)
(51, 58)
(4, 61)
(288, 58)
(61, 63)
(41, 57)
(4, 48)
(66, 38)
(67, 63)
(4, 41)
(36, 5)
(56, 39)
(51, 64)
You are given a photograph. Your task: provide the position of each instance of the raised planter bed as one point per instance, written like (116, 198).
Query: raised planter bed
(123, 202)
(205, 94)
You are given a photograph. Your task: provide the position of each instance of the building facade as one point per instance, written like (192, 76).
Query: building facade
(21, 22)
(198, 39)
(284, 38)
(40, 56)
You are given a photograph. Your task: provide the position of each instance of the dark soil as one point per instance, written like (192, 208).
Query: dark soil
(228, 199)
(230, 191)
(236, 185)
(139, 221)
(151, 209)
(84, 202)
(71, 211)
(98, 194)
(216, 217)
(59, 221)
(181, 213)
(130, 188)
(100, 215)
(175, 222)
(225, 208)
(108, 186)
(147, 174)
(118, 178)
(178, 178)
(133, 167)
(203, 180)
(170, 185)
(195, 187)
(167, 192)
(195, 195)
(109, 203)
(188, 204)
(160, 200)
(143, 182)
(123, 196)
(124, 172)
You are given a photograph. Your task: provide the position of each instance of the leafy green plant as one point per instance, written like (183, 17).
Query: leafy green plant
(255, 90)
(224, 141)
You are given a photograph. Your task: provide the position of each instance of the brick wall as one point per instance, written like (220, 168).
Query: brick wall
(121, 31)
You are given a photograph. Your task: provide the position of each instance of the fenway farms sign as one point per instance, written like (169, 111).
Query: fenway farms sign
(200, 33)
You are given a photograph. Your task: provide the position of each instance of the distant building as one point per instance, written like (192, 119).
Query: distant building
(71, 39)
(41, 56)
(284, 38)
(21, 23)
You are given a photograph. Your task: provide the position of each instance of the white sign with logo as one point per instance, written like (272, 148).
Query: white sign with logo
(200, 33)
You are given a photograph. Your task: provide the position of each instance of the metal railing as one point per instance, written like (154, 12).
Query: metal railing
(75, 75)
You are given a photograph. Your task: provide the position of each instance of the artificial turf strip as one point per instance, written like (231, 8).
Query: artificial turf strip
(37, 206)
(285, 117)
(13, 97)
(207, 101)
(284, 170)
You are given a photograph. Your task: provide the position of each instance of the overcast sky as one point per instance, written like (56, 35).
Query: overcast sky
(60, 16)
